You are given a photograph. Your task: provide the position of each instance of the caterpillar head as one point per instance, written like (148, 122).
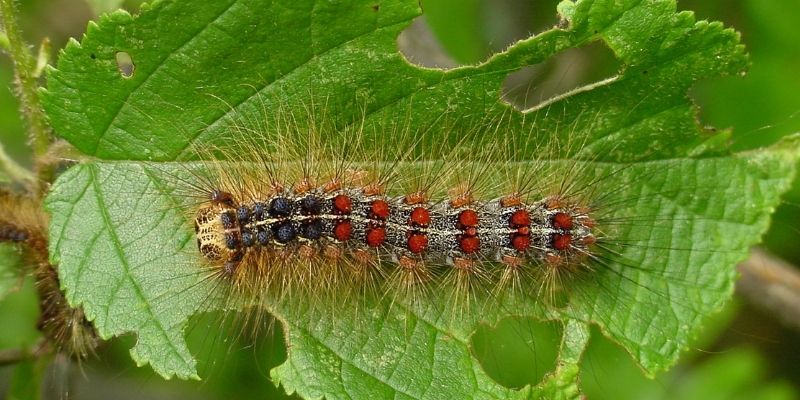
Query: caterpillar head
(210, 234)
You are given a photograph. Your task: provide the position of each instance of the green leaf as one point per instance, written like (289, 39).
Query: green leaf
(123, 247)
(136, 250)
(179, 95)
(563, 382)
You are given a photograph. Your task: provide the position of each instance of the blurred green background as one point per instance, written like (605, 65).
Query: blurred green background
(744, 353)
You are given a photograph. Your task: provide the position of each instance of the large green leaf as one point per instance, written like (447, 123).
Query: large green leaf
(126, 252)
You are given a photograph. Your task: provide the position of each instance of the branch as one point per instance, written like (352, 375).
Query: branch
(14, 356)
(773, 285)
(15, 171)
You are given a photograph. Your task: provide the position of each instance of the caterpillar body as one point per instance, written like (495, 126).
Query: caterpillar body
(286, 209)
(409, 230)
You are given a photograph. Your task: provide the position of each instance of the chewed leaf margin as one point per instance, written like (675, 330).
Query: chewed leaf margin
(347, 58)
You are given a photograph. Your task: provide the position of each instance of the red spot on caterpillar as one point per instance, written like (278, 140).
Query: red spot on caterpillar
(364, 257)
(417, 243)
(380, 209)
(561, 242)
(469, 244)
(471, 231)
(420, 216)
(562, 221)
(342, 204)
(460, 196)
(520, 242)
(589, 240)
(375, 236)
(520, 218)
(275, 188)
(461, 201)
(524, 230)
(468, 218)
(342, 231)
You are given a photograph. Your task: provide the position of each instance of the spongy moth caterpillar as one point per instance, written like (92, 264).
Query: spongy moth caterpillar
(314, 214)
(65, 328)
(361, 225)
(280, 216)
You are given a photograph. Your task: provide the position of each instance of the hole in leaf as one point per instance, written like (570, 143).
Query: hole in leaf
(537, 85)
(470, 31)
(125, 64)
(607, 371)
(418, 45)
(517, 352)
(227, 350)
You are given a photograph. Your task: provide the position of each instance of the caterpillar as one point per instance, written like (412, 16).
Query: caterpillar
(366, 225)
(65, 328)
(307, 217)
(339, 221)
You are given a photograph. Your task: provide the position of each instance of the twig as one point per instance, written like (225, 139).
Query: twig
(14, 356)
(772, 284)
(15, 171)
(39, 134)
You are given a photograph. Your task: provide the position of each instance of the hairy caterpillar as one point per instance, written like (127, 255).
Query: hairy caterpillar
(65, 328)
(279, 216)
(309, 214)
(262, 231)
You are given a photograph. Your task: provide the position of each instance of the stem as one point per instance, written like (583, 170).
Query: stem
(27, 86)
(15, 171)
(773, 285)
(14, 356)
